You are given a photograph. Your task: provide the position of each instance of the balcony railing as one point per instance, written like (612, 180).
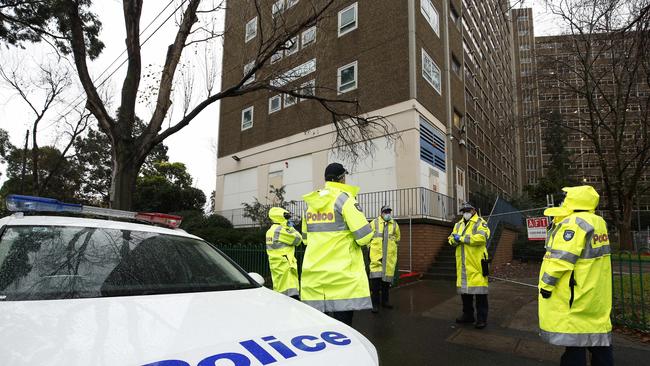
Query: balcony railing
(406, 203)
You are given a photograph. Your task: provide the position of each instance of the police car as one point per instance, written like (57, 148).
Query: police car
(81, 291)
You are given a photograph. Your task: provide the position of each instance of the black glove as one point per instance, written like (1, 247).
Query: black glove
(545, 293)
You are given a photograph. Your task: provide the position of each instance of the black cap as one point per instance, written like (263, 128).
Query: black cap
(386, 208)
(466, 207)
(334, 171)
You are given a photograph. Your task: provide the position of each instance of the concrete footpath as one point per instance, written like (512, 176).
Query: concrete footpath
(420, 330)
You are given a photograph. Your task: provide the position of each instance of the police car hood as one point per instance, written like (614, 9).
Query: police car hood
(237, 327)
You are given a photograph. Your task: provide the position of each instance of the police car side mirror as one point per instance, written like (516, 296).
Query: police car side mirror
(256, 276)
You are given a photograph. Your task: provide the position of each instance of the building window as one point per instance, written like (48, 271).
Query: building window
(247, 118)
(291, 46)
(430, 71)
(291, 3)
(251, 30)
(524, 47)
(455, 66)
(458, 120)
(432, 145)
(523, 32)
(275, 103)
(430, 14)
(347, 77)
(296, 73)
(247, 69)
(522, 18)
(453, 15)
(348, 19)
(289, 100)
(276, 57)
(308, 89)
(525, 60)
(278, 8)
(308, 36)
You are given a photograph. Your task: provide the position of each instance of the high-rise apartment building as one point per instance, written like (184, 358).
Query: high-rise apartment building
(530, 136)
(552, 97)
(441, 71)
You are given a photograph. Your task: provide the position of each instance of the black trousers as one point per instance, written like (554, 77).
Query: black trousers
(481, 307)
(379, 291)
(577, 356)
(342, 316)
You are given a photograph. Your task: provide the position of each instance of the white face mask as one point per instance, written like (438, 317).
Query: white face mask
(467, 215)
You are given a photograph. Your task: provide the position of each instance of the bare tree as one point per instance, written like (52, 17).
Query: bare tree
(603, 63)
(194, 27)
(43, 94)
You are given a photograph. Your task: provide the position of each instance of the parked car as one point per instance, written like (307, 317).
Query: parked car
(86, 291)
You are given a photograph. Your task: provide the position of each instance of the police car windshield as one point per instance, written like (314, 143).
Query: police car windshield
(52, 262)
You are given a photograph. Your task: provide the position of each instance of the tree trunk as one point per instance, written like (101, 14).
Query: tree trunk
(125, 173)
(625, 226)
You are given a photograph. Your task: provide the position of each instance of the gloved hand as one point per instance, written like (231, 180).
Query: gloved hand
(456, 237)
(545, 293)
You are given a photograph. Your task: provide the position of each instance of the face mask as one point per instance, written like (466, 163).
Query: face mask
(467, 215)
(386, 217)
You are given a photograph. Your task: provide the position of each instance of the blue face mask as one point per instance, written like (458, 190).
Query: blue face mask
(386, 217)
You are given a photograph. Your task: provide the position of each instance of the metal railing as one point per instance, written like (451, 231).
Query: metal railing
(631, 290)
(253, 257)
(406, 203)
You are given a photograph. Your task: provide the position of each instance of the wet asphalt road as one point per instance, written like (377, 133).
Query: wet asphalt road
(421, 330)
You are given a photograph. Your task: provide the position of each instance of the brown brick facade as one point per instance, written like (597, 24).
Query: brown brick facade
(429, 238)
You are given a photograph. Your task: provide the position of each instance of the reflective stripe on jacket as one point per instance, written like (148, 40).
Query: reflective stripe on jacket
(281, 241)
(333, 271)
(384, 241)
(470, 250)
(577, 270)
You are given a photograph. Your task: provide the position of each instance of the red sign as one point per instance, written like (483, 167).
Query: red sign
(537, 228)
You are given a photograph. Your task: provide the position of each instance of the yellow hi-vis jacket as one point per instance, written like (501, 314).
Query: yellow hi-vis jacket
(333, 271)
(383, 249)
(281, 241)
(470, 250)
(577, 270)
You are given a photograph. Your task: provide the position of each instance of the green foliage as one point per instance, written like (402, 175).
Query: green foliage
(259, 212)
(62, 185)
(167, 187)
(23, 21)
(93, 156)
(217, 230)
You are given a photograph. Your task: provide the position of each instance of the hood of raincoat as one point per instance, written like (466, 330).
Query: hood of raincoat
(276, 214)
(319, 199)
(584, 198)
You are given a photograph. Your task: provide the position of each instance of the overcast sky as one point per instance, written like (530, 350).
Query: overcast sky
(195, 145)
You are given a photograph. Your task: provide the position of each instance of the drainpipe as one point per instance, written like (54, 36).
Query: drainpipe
(451, 170)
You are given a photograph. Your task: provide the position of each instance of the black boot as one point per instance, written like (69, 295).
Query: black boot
(385, 288)
(465, 319)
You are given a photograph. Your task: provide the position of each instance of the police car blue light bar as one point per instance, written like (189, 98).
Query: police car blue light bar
(19, 203)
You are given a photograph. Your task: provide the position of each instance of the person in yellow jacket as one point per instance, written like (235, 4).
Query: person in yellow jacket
(470, 236)
(575, 280)
(334, 229)
(383, 257)
(281, 241)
